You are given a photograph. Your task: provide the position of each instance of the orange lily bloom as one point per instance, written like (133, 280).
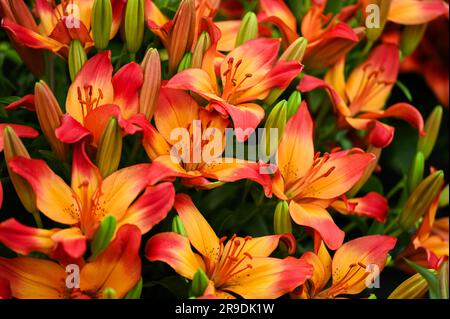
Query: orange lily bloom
(311, 182)
(62, 23)
(413, 12)
(329, 38)
(241, 266)
(349, 268)
(247, 73)
(360, 100)
(84, 203)
(429, 247)
(95, 96)
(118, 267)
(178, 110)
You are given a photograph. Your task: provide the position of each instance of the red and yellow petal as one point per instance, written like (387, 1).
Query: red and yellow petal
(71, 131)
(319, 219)
(27, 101)
(372, 205)
(24, 240)
(175, 250)
(72, 241)
(31, 278)
(412, 12)
(127, 83)
(151, 207)
(269, 278)
(20, 130)
(118, 267)
(54, 198)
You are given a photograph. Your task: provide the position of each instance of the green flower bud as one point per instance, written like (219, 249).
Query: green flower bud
(136, 291)
(13, 147)
(134, 25)
(415, 287)
(178, 227)
(420, 200)
(431, 128)
(275, 123)
(185, 62)
(203, 44)
(77, 58)
(199, 284)
(109, 148)
(293, 104)
(375, 21)
(101, 23)
(416, 170)
(443, 280)
(148, 97)
(411, 37)
(109, 293)
(103, 235)
(248, 29)
(296, 51)
(282, 219)
(443, 199)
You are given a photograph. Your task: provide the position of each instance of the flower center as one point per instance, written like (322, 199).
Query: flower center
(87, 100)
(232, 84)
(356, 273)
(232, 262)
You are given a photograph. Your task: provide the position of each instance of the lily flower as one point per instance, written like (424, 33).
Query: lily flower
(95, 96)
(247, 73)
(311, 182)
(360, 100)
(205, 134)
(85, 203)
(118, 267)
(241, 266)
(353, 265)
(429, 246)
(62, 23)
(329, 38)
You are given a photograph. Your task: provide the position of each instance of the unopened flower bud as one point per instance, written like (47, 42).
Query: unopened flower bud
(282, 219)
(109, 293)
(203, 44)
(101, 23)
(275, 123)
(248, 29)
(295, 51)
(199, 283)
(178, 227)
(293, 104)
(149, 94)
(13, 147)
(420, 200)
(443, 280)
(49, 116)
(416, 170)
(415, 287)
(103, 235)
(185, 62)
(109, 148)
(375, 14)
(411, 37)
(77, 58)
(134, 25)
(431, 128)
(443, 199)
(182, 34)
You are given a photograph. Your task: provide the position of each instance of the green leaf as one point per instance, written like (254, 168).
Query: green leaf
(430, 277)
(405, 90)
(136, 291)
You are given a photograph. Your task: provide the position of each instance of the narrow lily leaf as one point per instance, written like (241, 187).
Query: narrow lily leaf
(430, 277)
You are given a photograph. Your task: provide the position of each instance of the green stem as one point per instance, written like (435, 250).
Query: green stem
(396, 233)
(38, 220)
(400, 185)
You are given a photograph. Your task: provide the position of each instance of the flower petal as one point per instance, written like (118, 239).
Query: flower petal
(127, 83)
(195, 80)
(118, 267)
(372, 205)
(27, 101)
(175, 250)
(319, 219)
(54, 197)
(150, 208)
(20, 130)
(270, 278)
(71, 131)
(72, 241)
(32, 278)
(412, 12)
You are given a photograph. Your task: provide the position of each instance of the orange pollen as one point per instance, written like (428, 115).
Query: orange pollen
(231, 83)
